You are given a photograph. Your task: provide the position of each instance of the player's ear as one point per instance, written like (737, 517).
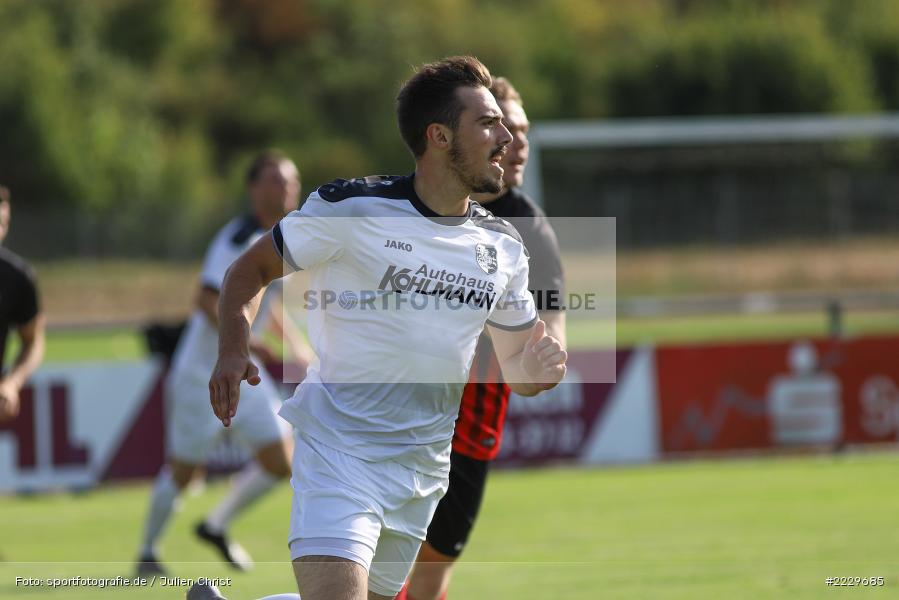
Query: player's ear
(440, 136)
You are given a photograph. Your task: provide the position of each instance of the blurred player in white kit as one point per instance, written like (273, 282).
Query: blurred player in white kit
(273, 186)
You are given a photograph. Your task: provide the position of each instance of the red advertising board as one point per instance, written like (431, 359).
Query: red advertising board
(783, 394)
(85, 423)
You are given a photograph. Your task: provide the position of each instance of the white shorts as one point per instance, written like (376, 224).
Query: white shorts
(192, 429)
(373, 513)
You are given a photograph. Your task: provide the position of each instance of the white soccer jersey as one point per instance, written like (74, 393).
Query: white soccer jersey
(398, 298)
(197, 349)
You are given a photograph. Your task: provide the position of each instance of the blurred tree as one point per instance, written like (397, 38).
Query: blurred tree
(756, 64)
(874, 32)
(136, 111)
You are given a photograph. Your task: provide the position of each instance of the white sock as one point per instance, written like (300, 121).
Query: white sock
(162, 502)
(282, 597)
(249, 485)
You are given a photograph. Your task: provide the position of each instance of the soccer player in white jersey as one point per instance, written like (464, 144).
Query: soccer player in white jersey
(374, 417)
(479, 429)
(191, 432)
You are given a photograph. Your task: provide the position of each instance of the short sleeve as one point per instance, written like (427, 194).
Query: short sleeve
(27, 304)
(515, 309)
(218, 259)
(311, 235)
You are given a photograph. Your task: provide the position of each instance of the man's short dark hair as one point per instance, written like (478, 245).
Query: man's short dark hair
(4, 193)
(502, 89)
(264, 159)
(430, 97)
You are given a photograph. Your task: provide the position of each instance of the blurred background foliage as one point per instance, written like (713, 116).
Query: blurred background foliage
(122, 113)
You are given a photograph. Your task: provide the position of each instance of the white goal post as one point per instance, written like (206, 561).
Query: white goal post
(694, 131)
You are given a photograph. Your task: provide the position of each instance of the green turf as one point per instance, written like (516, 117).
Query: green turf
(128, 344)
(766, 528)
(117, 344)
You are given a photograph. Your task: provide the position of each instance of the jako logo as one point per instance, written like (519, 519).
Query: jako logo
(398, 245)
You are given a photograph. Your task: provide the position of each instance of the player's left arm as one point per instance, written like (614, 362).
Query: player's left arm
(555, 325)
(31, 352)
(546, 275)
(531, 360)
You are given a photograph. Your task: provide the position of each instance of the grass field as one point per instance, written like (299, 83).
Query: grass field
(761, 528)
(126, 344)
(772, 528)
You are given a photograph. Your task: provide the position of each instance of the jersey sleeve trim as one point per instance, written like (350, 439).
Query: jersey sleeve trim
(482, 217)
(521, 327)
(278, 241)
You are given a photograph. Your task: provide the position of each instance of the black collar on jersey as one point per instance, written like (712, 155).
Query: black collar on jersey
(426, 212)
(249, 225)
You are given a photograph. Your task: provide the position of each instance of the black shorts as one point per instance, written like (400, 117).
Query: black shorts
(458, 509)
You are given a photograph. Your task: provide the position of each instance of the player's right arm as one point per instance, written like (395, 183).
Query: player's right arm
(303, 239)
(31, 352)
(238, 304)
(30, 329)
(207, 302)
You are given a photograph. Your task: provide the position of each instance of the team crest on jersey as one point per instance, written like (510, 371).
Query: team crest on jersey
(486, 257)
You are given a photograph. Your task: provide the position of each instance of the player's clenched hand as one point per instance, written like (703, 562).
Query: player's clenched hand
(543, 358)
(224, 385)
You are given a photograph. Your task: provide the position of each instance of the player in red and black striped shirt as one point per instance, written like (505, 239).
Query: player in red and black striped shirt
(479, 427)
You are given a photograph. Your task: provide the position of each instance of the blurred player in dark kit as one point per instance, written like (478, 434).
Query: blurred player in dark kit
(20, 310)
